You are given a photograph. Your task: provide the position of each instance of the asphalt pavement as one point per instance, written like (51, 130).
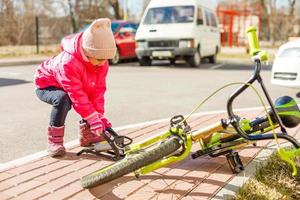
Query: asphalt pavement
(135, 94)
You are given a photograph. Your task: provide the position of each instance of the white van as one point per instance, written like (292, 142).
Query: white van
(286, 70)
(173, 29)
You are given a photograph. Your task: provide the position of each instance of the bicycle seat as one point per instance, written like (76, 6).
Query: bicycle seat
(288, 111)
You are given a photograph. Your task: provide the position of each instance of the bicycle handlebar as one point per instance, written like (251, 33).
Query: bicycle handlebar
(254, 50)
(253, 41)
(254, 44)
(235, 120)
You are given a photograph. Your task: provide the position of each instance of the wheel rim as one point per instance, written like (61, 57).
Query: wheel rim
(197, 58)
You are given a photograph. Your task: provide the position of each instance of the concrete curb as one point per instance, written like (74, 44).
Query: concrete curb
(228, 192)
(36, 61)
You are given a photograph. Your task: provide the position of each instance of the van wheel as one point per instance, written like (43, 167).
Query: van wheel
(116, 59)
(145, 61)
(173, 61)
(195, 60)
(212, 59)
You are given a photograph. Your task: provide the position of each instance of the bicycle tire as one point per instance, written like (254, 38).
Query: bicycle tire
(131, 163)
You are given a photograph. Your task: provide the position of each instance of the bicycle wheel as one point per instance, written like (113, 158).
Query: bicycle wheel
(131, 163)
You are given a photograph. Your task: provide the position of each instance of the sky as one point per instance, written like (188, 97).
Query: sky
(136, 6)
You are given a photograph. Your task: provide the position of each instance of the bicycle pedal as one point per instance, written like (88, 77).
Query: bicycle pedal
(234, 162)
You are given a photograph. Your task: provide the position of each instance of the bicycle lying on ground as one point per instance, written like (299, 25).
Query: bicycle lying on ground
(221, 138)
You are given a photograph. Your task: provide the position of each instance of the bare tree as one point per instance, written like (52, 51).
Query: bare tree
(291, 16)
(10, 22)
(72, 17)
(282, 21)
(265, 24)
(86, 11)
(272, 21)
(292, 4)
(116, 7)
(26, 23)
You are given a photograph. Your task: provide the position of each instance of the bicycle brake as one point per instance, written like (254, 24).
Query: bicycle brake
(178, 122)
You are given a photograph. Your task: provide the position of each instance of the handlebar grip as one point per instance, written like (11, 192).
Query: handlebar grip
(253, 40)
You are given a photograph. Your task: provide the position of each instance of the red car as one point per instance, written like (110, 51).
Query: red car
(124, 33)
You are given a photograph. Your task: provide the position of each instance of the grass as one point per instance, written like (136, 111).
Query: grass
(49, 50)
(28, 50)
(234, 57)
(271, 181)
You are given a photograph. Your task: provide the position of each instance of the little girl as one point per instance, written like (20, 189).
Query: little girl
(76, 77)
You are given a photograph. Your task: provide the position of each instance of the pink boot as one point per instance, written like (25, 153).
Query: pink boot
(86, 137)
(55, 141)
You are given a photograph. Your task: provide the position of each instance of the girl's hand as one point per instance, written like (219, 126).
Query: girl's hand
(106, 123)
(96, 124)
(97, 128)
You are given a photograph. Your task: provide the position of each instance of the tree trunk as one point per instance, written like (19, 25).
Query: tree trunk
(272, 22)
(291, 17)
(73, 22)
(116, 7)
(265, 21)
(10, 22)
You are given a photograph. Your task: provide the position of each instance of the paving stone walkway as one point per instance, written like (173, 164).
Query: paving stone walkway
(48, 178)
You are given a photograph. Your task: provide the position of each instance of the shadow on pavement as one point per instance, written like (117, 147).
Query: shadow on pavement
(204, 65)
(9, 81)
(249, 67)
(216, 66)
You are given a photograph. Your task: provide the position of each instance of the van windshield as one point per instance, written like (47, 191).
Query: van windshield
(290, 53)
(169, 15)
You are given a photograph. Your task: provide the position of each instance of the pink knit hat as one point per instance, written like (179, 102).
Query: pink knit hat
(98, 40)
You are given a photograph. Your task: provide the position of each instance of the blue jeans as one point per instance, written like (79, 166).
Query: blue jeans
(60, 101)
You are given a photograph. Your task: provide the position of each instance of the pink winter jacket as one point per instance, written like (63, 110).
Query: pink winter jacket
(71, 71)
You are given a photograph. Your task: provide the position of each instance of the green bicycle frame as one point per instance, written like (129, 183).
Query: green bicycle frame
(146, 143)
(185, 137)
(187, 145)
